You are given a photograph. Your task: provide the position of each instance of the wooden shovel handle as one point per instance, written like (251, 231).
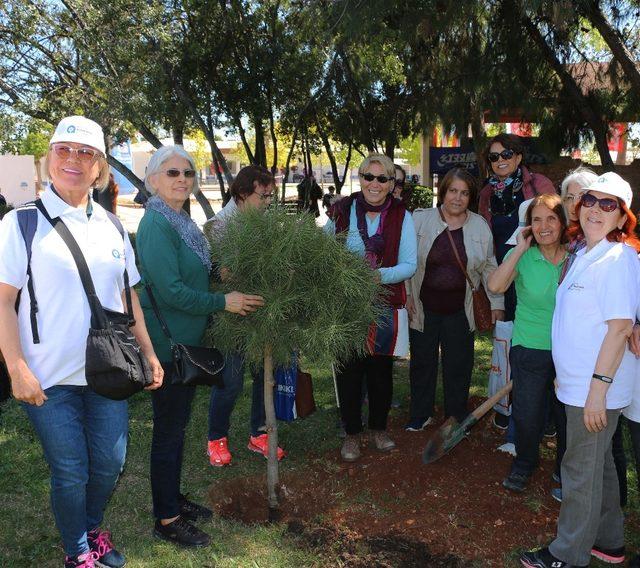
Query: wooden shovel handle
(490, 402)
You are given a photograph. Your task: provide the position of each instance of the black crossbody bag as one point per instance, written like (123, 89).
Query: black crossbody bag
(194, 365)
(115, 366)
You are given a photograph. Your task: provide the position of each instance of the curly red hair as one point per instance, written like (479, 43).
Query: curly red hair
(625, 235)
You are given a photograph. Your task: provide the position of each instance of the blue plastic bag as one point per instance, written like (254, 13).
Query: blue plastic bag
(285, 391)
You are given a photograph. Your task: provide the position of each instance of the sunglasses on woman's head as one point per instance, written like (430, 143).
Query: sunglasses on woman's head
(175, 172)
(371, 177)
(82, 154)
(607, 204)
(505, 155)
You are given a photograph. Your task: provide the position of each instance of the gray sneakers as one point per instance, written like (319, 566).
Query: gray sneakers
(350, 451)
(382, 441)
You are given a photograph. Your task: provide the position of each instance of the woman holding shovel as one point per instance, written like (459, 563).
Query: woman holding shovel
(534, 265)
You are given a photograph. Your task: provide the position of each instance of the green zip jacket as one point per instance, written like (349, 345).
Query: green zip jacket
(180, 285)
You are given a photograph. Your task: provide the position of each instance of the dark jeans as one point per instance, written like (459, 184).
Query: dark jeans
(171, 412)
(451, 335)
(634, 430)
(377, 371)
(532, 373)
(223, 400)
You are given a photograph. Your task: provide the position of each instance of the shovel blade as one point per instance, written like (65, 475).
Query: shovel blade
(443, 440)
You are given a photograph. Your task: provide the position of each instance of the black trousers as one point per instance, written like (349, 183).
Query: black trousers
(377, 371)
(171, 412)
(449, 334)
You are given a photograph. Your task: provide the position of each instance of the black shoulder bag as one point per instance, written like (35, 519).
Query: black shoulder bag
(194, 365)
(115, 366)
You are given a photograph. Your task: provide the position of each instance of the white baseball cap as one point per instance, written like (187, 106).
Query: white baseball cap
(613, 184)
(81, 130)
(522, 221)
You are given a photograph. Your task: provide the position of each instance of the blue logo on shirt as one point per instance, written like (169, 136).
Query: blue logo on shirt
(117, 254)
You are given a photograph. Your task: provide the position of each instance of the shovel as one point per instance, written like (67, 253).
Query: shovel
(450, 433)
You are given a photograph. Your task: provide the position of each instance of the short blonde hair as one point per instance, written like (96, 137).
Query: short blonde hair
(103, 173)
(584, 177)
(386, 162)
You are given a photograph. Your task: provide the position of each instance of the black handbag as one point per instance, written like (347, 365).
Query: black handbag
(115, 366)
(194, 365)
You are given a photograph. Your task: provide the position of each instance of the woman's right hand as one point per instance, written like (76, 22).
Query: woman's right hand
(411, 308)
(524, 238)
(243, 304)
(25, 387)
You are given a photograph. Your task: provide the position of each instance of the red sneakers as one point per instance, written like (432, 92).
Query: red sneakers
(260, 445)
(218, 452)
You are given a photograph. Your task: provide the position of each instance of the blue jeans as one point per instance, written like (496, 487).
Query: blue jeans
(224, 400)
(532, 373)
(84, 438)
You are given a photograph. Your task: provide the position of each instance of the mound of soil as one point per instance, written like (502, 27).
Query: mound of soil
(392, 510)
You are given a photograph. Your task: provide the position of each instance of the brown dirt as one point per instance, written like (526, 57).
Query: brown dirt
(390, 510)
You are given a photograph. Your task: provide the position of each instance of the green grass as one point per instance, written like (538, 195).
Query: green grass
(28, 536)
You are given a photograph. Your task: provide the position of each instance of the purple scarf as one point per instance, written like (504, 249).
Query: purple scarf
(373, 245)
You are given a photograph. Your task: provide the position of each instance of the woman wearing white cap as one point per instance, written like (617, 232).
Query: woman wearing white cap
(596, 305)
(83, 435)
(534, 265)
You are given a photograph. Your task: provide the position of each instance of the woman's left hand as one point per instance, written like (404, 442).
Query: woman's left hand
(497, 315)
(157, 372)
(595, 408)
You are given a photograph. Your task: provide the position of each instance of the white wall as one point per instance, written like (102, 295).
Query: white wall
(17, 178)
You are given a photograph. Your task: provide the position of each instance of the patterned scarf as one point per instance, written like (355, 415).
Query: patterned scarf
(502, 200)
(373, 245)
(574, 246)
(186, 229)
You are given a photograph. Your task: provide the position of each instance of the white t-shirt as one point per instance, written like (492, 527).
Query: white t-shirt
(601, 285)
(63, 310)
(632, 412)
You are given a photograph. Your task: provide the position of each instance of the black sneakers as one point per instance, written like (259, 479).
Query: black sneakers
(101, 545)
(181, 532)
(192, 511)
(516, 482)
(544, 559)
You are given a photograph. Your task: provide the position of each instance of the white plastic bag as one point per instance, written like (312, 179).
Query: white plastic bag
(500, 372)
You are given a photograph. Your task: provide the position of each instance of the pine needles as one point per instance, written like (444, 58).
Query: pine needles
(319, 297)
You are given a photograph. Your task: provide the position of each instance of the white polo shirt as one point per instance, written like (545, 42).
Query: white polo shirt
(632, 412)
(63, 310)
(601, 285)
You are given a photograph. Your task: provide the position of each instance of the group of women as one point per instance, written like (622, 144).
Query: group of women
(577, 261)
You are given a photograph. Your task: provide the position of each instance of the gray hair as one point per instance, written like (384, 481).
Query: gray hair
(386, 163)
(159, 157)
(584, 177)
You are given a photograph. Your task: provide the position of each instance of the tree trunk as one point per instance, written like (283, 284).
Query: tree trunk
(597, 123)
(127, 173)
(332, 159)
(347, 162)
(592, 11)
(272, 432)
(149, 136)
(260, 153)
(245, 142)
(285, 178)
(479, 139)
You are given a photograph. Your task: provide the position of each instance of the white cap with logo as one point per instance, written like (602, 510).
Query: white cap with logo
(81, 130)
(613, 184)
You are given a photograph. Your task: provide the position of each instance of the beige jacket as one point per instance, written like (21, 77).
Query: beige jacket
(481, 260)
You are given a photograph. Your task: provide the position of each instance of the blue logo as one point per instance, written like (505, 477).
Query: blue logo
(117, 254)
(71, 129)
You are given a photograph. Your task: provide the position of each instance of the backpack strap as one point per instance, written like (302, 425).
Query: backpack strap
(28, 223)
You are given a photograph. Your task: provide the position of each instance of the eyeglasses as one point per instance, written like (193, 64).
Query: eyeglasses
(607, 204)
(505, 155)
(371, 177)
(85, 155)
(573, 198)
(175, 172)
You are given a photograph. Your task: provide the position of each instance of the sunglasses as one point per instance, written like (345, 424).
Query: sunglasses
(505, 155)
(175, 172)
(606, 204)
(399, 183)
(85, 155)
(381, 179)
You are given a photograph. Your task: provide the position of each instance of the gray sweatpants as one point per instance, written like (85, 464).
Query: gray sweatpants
(590, 512)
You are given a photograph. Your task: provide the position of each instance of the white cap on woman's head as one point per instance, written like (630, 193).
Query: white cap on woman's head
(522, 221)
(81, 130)
(613, 184)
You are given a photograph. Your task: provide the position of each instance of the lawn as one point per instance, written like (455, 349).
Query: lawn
(28, 536)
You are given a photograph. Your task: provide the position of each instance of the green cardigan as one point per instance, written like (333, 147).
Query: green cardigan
(180, 285)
